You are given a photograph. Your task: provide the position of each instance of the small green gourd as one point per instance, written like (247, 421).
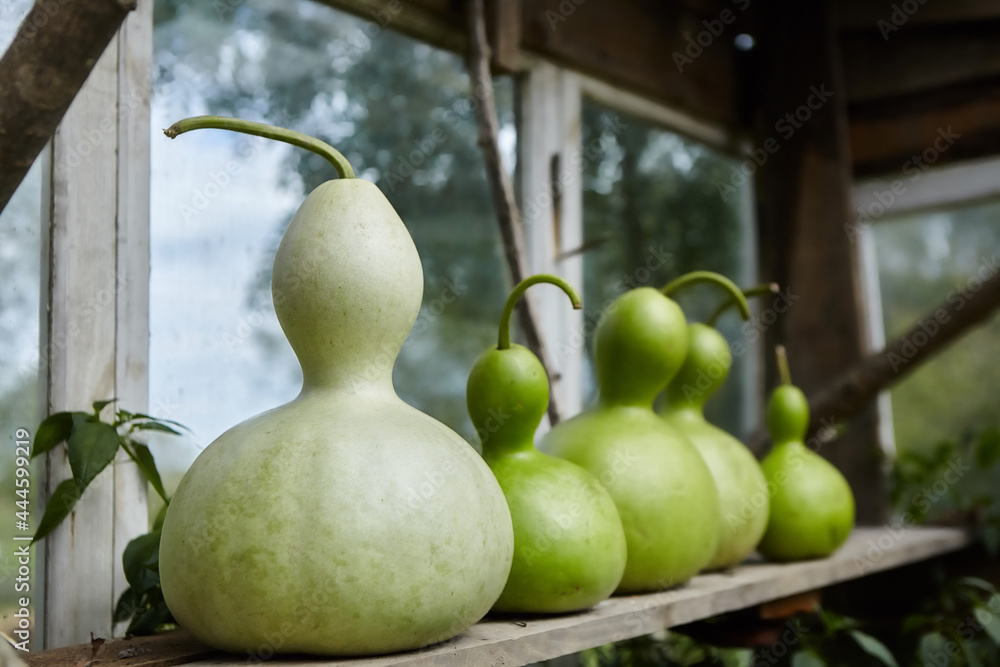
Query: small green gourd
(345, 522)
(743, 496)
(812, 507)
(662, 487)
(569, 546)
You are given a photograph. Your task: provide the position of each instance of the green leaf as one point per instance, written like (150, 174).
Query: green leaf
(914, 622)
(144, 459)
(140, 415)
(154, 426)
(991, 540)
(60, 504)
(874, 648)
(100, 405)
(126, 606)
(933, 646)
(970, 655)
(158, 521)
(807, 659)
(976, 582)
(92, 446)
(141, 562)
(54, 429)
(989, 620)
(147, 620)
(988, 448)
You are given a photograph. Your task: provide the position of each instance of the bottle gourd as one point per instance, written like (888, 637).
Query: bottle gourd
(344, 522)
(662, 487)
(569, 546)
(812, 507)
(743, 496)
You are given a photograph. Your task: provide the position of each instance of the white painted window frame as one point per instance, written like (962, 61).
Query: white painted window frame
(891, 196)
(94, 333)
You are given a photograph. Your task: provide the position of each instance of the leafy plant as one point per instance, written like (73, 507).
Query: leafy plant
(952, 483)
(957, 624)
(91, 445)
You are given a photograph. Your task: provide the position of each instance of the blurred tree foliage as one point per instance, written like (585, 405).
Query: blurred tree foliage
(651, 201)
(398, 109)
(924, 260)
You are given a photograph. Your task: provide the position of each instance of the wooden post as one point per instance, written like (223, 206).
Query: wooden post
(803, 187)
(95, 338)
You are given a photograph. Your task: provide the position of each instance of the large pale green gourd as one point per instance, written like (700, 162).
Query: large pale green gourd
(345, 522)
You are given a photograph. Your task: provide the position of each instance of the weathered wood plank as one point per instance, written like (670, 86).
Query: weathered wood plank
(81, 348)
(135, 58)
(629, 43)
(867, 14)
(521, 640)
(909, 134)
(918, 59)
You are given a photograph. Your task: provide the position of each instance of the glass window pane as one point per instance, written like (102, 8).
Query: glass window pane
(924, 260)
(652, 210)
(399, 111)
(20, 394)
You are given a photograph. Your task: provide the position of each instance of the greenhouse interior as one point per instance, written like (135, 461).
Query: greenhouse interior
(573, 333)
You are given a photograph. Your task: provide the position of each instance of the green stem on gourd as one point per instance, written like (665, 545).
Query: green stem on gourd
(783, 372)
(750, 292)
(503, 340)
(696, 277)
(321, 148)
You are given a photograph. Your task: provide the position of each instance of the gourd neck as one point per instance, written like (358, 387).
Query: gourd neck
(501, 445)
(685, 411)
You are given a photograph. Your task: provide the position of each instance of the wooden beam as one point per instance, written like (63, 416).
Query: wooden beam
(520, 640)
(915, 132)
(503, 25)
(53, 52)
(918, 59)
(866, 13)
(632, 44)
(803, 190)
(854, 388)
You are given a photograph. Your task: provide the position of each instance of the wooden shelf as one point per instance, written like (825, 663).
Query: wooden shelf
(513, 641)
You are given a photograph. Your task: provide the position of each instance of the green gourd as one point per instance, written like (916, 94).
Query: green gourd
(662, 487)
(569, 546)
(743, 496)
(344, 522)
(812, 507)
